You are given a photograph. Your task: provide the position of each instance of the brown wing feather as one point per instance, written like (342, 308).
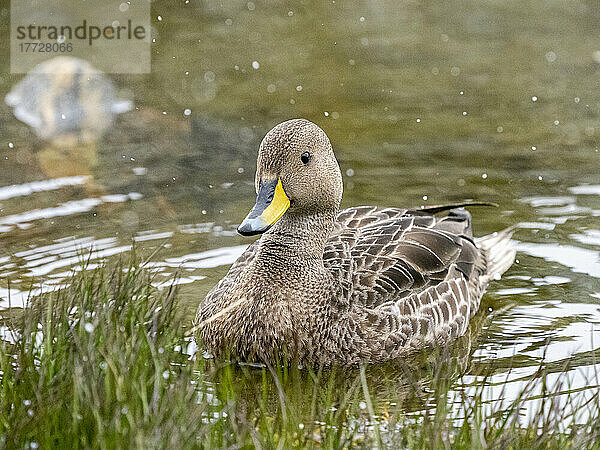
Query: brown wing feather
(382, 255)
(413, 276)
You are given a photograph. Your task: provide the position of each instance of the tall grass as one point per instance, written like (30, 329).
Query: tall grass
(93, 365)
(103, 364)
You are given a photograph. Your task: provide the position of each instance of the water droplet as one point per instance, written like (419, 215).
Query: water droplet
(362, 19)
(462, 92)
(533, 148)
(299, 88)
(425, 197)
(187, 112)
(290, 13)
(556, 122)
(418, 120)
(464, 113)
(251, 6)
(550, 56)
(350, 172)
(159, 18)
(577, 99)
(89, 327)
(534, 99)
(540, 178)
(484, 176)
(240, 170)
(255, 64)
(271, 88)
(500, 129)
(11, 145)
(326, 113)
(362, 405)
(166, 374)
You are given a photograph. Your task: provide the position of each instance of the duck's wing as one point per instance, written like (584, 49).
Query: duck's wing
(411, 279)
(382, 255)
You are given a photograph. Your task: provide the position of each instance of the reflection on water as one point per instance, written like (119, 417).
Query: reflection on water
(424, 104)
(22, 220)
(577, 259)
(70, 105)
(65, 99)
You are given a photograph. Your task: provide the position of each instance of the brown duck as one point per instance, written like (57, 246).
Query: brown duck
(364, 284)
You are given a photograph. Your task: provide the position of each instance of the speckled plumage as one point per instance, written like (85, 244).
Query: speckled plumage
(362, 284)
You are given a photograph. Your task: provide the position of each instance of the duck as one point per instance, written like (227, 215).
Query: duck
(325, 286)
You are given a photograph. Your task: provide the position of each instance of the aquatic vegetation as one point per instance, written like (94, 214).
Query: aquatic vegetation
(106, 363)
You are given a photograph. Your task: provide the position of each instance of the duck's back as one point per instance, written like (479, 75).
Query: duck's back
(418, 278)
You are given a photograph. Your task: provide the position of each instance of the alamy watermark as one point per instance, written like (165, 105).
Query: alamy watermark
(113, 35)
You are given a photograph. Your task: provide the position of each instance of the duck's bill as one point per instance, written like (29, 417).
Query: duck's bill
(271, 204)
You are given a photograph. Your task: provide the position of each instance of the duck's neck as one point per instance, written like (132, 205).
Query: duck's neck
(298, 236)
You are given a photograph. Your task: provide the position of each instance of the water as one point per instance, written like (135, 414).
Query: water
(424, 104)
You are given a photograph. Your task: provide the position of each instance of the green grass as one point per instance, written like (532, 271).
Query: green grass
(100, 365)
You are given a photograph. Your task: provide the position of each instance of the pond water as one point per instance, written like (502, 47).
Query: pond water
(424, 102)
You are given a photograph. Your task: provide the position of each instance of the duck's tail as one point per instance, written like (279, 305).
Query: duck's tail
(499, 252)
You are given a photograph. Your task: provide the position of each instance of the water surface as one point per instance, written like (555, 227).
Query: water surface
(425, 103)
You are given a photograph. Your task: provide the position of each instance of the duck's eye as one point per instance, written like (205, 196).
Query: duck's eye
(305, 157)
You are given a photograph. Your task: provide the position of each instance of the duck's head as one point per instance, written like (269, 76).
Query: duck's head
(296, 173)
